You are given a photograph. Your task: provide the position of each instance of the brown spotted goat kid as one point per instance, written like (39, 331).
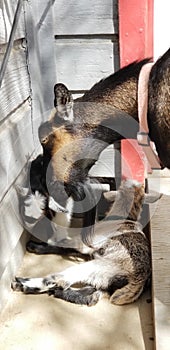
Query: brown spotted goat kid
(120, 262)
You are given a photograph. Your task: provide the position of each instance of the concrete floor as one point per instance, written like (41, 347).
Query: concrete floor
(34, 322)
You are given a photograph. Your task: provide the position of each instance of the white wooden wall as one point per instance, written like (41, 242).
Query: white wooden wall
(86, 50)
(74, 42)
(86, 41)
(16, 143)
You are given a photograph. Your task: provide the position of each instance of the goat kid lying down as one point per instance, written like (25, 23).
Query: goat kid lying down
(120, 262)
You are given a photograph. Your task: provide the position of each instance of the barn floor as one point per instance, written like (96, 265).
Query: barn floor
(33, 322)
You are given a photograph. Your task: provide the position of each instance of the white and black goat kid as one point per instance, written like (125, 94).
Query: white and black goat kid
(50, 221)
(42, 216)
(120, 262)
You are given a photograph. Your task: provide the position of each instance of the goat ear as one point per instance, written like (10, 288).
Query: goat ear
(22, 191)
(110, 196)
(62, 96)
(63, 102)
(152, 197)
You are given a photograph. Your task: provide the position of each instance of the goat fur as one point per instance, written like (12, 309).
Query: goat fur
(120, 262)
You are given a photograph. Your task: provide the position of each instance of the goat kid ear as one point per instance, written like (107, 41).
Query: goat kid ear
(22, 191)
(152, 197)
(110, 196)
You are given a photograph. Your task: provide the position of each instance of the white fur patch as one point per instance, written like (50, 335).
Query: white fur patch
(34, 205)
(37, 283)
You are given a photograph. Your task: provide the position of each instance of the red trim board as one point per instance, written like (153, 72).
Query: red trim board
(136, 42)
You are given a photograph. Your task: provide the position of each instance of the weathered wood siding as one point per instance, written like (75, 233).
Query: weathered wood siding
(86, 38)
(7, 10)
(16, 143)
(74, 42)
(41, 59)
(15, 86)
(85, 17)
(86, 50)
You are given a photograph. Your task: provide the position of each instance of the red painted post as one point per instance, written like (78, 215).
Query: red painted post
(136, 43)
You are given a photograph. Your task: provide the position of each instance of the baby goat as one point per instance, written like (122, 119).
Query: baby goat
(120, 262)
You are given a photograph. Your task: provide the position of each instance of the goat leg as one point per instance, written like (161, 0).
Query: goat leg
(72, 247)
(83, 296)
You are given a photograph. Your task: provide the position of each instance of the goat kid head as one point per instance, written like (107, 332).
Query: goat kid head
(127, 203)
(129, 199)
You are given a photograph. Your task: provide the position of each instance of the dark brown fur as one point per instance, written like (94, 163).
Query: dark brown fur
(106, 113)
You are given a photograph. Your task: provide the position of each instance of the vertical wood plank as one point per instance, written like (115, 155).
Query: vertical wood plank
(135, 30)
(41, 59)
(160, 242)
(136, 42)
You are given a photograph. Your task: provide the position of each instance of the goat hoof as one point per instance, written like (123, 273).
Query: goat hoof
(17, 284)
(26, 286)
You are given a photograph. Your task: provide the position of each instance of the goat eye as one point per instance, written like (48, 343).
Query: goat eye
(44, 140)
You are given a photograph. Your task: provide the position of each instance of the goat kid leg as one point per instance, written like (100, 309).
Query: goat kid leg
(72, 275)
(31, 285)
(83, 296)
(62, 247)
(91, 273)
(42, 248)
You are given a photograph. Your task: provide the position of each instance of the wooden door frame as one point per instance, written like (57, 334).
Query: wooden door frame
(136, 43)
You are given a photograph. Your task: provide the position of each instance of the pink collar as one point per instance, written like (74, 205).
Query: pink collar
(142, 136)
